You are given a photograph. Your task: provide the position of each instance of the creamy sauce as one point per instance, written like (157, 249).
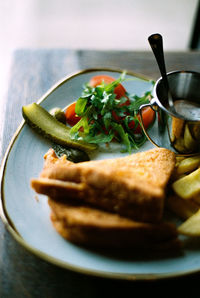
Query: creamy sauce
(188, 109)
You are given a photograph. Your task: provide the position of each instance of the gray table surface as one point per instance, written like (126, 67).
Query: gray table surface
(33, 72)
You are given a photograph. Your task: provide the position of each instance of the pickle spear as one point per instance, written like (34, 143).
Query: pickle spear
(49, 127)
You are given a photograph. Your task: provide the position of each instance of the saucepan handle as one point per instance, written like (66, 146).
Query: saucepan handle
(154, 107)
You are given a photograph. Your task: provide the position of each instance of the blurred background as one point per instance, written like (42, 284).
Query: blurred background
(92, 24)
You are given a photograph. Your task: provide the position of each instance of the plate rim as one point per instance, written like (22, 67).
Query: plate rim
(53, 260)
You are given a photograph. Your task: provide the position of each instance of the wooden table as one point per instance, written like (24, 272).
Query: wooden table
(33, 72)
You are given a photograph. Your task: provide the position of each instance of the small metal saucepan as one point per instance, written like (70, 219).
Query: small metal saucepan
(177, 129)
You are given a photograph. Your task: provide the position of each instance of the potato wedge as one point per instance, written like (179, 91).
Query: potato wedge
(177, 128)
(195, 129)
(189, 142)
(191, 227)
(179, 145)
(188, 164)
(182, 208)
(188, 186)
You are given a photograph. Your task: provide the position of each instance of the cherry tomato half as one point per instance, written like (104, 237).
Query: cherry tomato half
(71, 117)
(147, 116)
(97, 80)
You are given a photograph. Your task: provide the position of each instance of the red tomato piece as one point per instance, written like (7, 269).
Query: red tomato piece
(147, 116)
(71, 117)
(116, 117)
(97, 80)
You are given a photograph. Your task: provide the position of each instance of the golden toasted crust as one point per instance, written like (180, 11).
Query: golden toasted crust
(91, 227)
(153, 167)
(133, 186)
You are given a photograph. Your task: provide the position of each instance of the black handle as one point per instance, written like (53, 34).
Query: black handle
(156, 43)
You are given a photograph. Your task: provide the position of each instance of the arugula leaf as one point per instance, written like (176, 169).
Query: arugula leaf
(123, 135)
(83, 122)
(100, 138)
(108, 102)
(81, 105)
(110, 87)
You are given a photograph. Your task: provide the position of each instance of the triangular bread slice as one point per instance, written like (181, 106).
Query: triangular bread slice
(132, 186)
(91, 227)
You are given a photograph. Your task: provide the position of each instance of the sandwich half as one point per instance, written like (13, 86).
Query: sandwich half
(91, 227)
(132, 186)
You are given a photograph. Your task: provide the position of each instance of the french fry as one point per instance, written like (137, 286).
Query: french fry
(185, 201)
(191, 227)
(188, 164)
(188, 186)
(182, 208)
(175, 175)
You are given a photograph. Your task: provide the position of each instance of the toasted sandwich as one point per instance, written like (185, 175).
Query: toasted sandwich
(131, 186)
(91, 227)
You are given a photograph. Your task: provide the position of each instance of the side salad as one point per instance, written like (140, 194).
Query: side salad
(106, 112)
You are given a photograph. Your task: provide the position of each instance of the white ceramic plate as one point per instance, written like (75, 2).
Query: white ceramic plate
(27, 215)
